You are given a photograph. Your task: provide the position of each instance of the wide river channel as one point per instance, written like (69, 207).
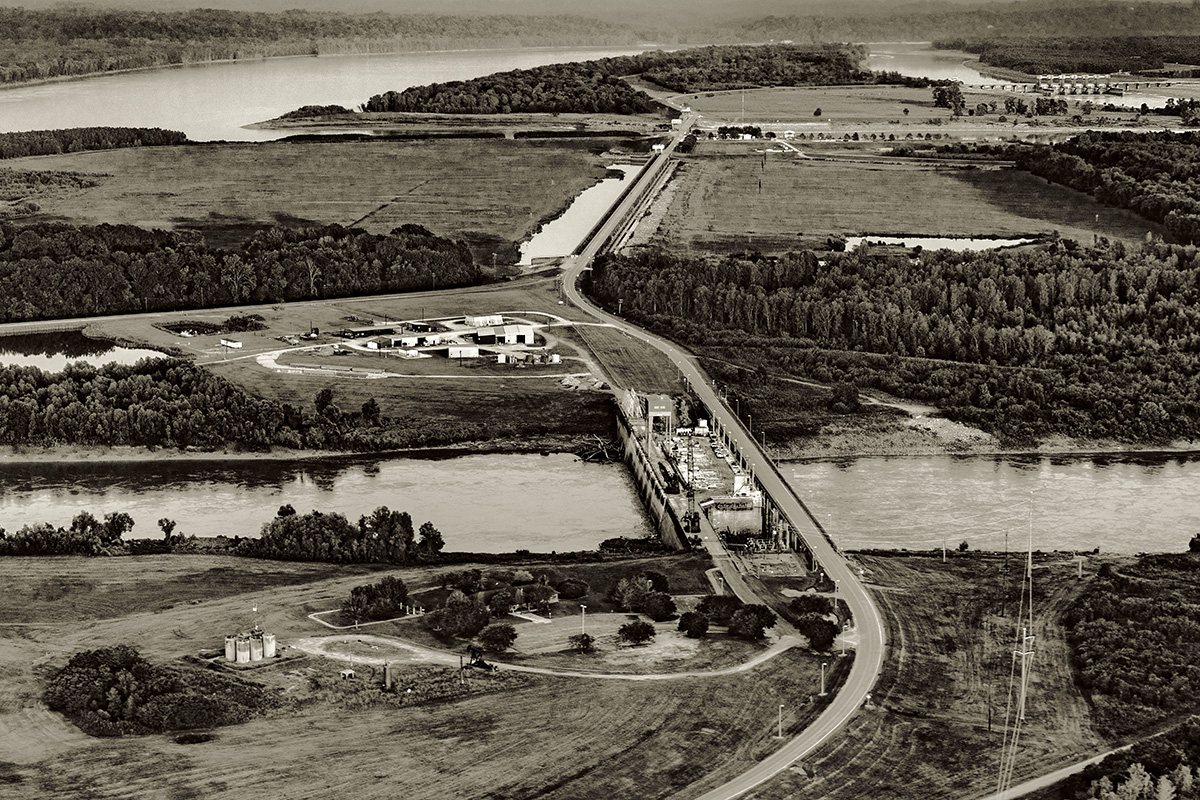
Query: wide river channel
(492, 503)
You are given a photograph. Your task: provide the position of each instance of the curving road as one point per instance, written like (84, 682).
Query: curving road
(872, 641)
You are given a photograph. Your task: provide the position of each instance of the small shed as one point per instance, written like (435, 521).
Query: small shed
(462, 351)
(346, 674)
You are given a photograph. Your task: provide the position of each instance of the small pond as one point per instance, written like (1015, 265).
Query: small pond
(53, 351)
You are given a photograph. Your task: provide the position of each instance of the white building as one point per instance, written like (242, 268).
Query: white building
(484, 322)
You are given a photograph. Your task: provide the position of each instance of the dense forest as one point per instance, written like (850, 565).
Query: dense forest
(87, 536)
(113, 691)
(385, 536)
(1162, 766)
(576, 87)
(1098, 342)
(1153, 174)
(53, 270)
(597, 87)
(176, 404)
(1069, 54)
(1135, 639)
(80, 40)
(74, 140)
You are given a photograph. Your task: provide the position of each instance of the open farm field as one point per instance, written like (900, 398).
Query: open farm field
(733, 203)
(505, 735)
(929, 732)
(492, 193)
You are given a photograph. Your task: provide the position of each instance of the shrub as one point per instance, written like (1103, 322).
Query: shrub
(819, 630)
(751, 622)
(719, 608)
(572, 589)
(693, 624)
(582, 643)
(810, 604)
(498, 638)
(636, 632)
(658, 606)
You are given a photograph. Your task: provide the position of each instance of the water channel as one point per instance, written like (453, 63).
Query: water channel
(561, 236)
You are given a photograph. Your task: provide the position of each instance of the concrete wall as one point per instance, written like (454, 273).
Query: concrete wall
(650, 487)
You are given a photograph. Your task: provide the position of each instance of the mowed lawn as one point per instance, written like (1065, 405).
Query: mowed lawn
(544, 737)
(736, 202)
(492, 193)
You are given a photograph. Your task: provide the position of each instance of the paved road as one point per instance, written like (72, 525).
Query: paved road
(1050, 778)
(869, 659)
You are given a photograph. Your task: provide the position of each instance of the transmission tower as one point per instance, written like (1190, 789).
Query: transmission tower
(1018, 681)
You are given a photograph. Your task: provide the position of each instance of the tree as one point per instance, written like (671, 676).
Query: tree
(963, 546)
(501, 602)
(658, 606)
(286, 510)
(751, 622)
(356, 606)
(1194, 544)
(116, 525)
(636, 632)
(431, 538)
(167, 526)
(498, 637)
(370, 411)
(693, 624)
(719, 608)
(323, 400)
(582, 643)
(817, 113)
(819, 630)
(538, 596)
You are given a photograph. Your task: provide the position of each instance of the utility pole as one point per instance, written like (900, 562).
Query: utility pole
(823, 666)
(780, 734)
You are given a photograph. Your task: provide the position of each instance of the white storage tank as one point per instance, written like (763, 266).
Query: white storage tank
(231, 648)
(256, 649)
(243, 651)
(268, 643)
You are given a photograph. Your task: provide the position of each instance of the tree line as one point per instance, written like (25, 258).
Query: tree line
(1151, 174)
(75, 140)
(1135, 641)
(77, 40)
(1071, 54)
(383, 537)
(54, 270)
(574, 87)
(1100, 341)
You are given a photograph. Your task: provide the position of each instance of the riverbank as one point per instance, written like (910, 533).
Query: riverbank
(922, 435)
(76, 454)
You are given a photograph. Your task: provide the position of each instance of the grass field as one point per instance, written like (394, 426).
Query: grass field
(631, 364)
(927, 735)
(525, 737)
(723, 207)
(493, 194)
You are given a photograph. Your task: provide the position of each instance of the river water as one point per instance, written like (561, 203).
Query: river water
(214, 101)
(1119, 503)
(480, 503)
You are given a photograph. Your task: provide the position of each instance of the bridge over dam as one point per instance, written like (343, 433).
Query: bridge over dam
(795, 530)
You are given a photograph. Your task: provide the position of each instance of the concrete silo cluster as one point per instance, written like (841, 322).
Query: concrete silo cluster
(250, 646)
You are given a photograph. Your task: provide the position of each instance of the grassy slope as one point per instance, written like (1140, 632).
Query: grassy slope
(546, 737)
(928, 733)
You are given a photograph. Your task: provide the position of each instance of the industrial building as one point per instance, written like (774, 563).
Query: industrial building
(489, 321)
(364, 332)
(462, 351)
(506, 334)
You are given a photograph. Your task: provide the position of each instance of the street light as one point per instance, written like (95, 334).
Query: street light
(823, 666)
(845, 625)
(583, 619)
(780, 734)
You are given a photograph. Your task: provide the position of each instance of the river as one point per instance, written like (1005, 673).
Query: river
(1118, 503)
(480, 503)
